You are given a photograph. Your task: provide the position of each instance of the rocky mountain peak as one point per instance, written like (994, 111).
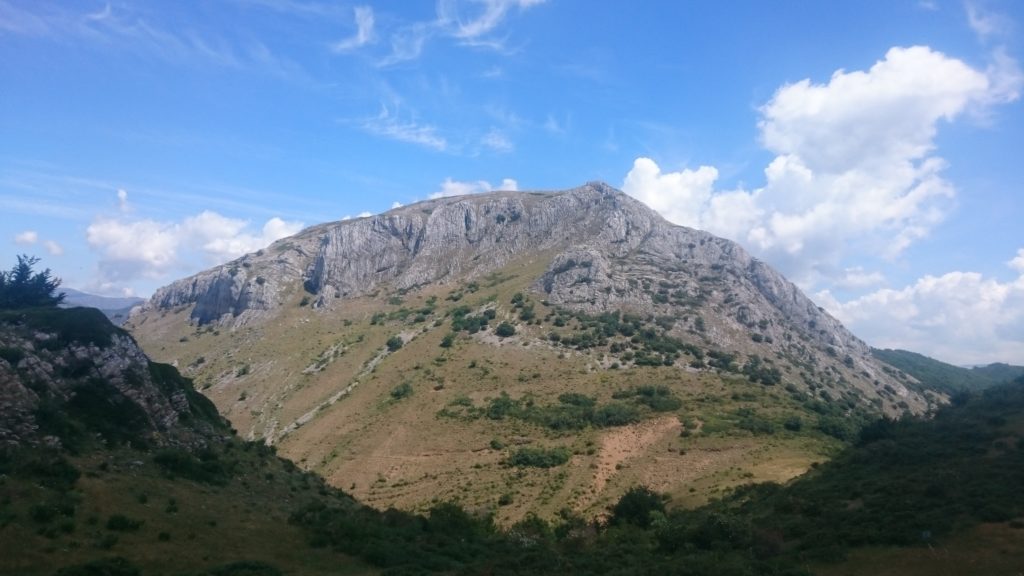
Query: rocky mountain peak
(601, 250)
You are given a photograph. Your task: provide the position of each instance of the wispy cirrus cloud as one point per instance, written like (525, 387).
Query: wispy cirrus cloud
(987, 25)
(136, 33)
(387, 124)
(364, 34)
(468, 22)
(497, 141)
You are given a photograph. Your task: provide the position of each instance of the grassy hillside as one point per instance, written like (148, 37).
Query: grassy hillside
(222, 512)
(937, 375)
(409, 400)
(918, 496)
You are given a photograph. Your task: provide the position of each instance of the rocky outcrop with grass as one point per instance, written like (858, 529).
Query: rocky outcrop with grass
(70, 378)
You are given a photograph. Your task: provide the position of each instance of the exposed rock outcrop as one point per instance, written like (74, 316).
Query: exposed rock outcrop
(70, 373)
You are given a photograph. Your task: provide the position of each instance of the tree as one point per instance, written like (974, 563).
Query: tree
(21, 287)
(637, 507)
(505, 329)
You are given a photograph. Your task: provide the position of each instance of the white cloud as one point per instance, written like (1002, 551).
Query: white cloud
(31, 237)
(26, 237)
(553, 126)
(471, 23)
(496, 140)
(854, 170)
(145, 248)
(984, 23)
(459, 188)
(364, 215)
(1017, 263)
(387, 125)
(483, 21)
(857, 277)
(396, 204)
(364, 31)
(959, 317)
(53, 248)
(122, 199)
(682, 196)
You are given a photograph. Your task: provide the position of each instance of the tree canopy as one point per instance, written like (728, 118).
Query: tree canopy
(22, 287)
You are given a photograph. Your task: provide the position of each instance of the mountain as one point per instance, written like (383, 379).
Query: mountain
(937, 375)
(117, 309)
(522, 353)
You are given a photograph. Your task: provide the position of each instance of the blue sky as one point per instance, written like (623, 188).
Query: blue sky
(868, 150)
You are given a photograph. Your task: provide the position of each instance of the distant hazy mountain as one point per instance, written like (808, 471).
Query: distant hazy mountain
(116, 309)
(948, 378)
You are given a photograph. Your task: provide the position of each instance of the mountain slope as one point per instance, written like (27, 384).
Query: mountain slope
(937, 375)
(413, 355)
(112, 464)
(117, 309)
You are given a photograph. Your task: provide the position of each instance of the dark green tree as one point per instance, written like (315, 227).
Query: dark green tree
(637, 506)
(22, 287)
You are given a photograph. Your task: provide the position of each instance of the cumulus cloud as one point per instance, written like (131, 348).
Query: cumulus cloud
(958, 317)
(132, 249)
(682, 196)
(364, 31)
(26, 237)
(1017, 263)
(459, 188)
(854, 171)
(31, 237)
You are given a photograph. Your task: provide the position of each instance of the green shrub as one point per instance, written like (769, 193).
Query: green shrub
(505, 330)
(539, 457)
(403, 390)
(207, 467)
(394, 343)
(122, 523)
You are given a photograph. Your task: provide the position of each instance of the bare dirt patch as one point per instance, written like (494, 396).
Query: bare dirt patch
(620, 444)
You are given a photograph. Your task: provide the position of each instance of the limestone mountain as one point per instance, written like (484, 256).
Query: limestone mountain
(418, 353)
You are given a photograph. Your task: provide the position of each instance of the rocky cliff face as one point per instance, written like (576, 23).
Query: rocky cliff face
(69, 376)
(605, 252)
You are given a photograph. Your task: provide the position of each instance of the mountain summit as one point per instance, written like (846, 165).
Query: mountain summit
(582, 292)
